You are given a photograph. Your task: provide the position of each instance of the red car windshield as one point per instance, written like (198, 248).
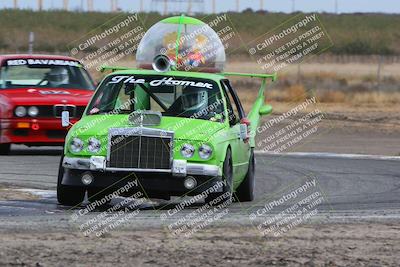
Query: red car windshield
(58, 74)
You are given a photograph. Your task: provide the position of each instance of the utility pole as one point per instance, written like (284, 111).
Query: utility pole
(336, 7)
(165, 7)
(262, 5)
(65, 5)
(15, 4)
(237, 6)
(293, 5)
(213, 7)
(40, 5)
(31, 42)
(141, 6)
(90, 5)
(114, 5)
(189, 11)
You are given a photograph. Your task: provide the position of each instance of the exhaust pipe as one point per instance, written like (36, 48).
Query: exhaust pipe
(162, 63)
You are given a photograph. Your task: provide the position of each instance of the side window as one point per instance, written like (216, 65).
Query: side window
(234, 110)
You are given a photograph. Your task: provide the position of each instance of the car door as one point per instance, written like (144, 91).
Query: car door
(240, 146)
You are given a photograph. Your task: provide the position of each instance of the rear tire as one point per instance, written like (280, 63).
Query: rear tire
(228, 177)
(5, 149)
(245, 191)
(68, 195)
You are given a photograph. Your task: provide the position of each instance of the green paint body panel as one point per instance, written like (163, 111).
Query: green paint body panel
(219, 135)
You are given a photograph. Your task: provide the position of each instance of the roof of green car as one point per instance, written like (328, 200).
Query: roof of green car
(203, 75)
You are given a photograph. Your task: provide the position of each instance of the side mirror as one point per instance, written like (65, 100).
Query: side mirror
(65, 119)
(265, 110)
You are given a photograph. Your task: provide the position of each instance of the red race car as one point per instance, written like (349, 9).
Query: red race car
(34, 91)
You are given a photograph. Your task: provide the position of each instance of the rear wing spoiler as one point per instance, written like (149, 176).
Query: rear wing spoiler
(258, 108)
(272, 76)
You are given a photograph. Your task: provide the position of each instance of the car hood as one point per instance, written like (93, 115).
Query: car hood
(184, 129)
(46, 96)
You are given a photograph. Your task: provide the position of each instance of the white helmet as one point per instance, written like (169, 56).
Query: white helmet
(194, 100)
(58, 76)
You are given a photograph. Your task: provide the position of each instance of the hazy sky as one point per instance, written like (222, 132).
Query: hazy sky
(344, 6)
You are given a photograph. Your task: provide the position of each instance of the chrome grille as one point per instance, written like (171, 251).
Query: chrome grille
(139, 148)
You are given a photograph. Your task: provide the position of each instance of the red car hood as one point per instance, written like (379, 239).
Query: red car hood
(46, 96)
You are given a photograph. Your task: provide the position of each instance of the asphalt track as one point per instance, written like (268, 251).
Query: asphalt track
(353, 187)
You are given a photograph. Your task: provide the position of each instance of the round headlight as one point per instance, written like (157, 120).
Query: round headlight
(187, 150)
(76, 145)
(20, 111)
(205, 151)
(94, 145)
(33, 111)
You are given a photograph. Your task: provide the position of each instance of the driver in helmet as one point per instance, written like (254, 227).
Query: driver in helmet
(57, 76)
(194, 101)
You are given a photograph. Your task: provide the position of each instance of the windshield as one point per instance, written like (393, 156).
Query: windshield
(44, 73)
(172, 96)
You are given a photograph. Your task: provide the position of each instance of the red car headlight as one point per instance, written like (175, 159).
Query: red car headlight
(33, 111)
(20, 111)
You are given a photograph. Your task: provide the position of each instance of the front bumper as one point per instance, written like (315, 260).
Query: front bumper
(154, 183)
(33, 131)
(180, 167)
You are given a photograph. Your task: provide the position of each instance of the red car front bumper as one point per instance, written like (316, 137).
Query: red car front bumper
(33, 131)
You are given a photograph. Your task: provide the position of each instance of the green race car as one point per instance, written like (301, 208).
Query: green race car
(175, 132)
(173, 127)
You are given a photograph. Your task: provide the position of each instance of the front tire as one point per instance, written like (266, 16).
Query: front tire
(245, 191)
(68, 195)
(5, 149)
(228, 177)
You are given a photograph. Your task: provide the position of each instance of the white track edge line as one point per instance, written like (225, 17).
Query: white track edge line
(329, 155)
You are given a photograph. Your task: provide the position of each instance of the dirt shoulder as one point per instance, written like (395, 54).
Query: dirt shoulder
(316, 245)
(15, 194)
(342, 129)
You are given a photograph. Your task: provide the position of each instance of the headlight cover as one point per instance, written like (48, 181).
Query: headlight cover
(94, 145)
(76, 145)
(20, 111)
(205, 151)
(33, 111)
(187, 150)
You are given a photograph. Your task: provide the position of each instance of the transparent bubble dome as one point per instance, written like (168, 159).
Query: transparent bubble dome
(189, 43)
